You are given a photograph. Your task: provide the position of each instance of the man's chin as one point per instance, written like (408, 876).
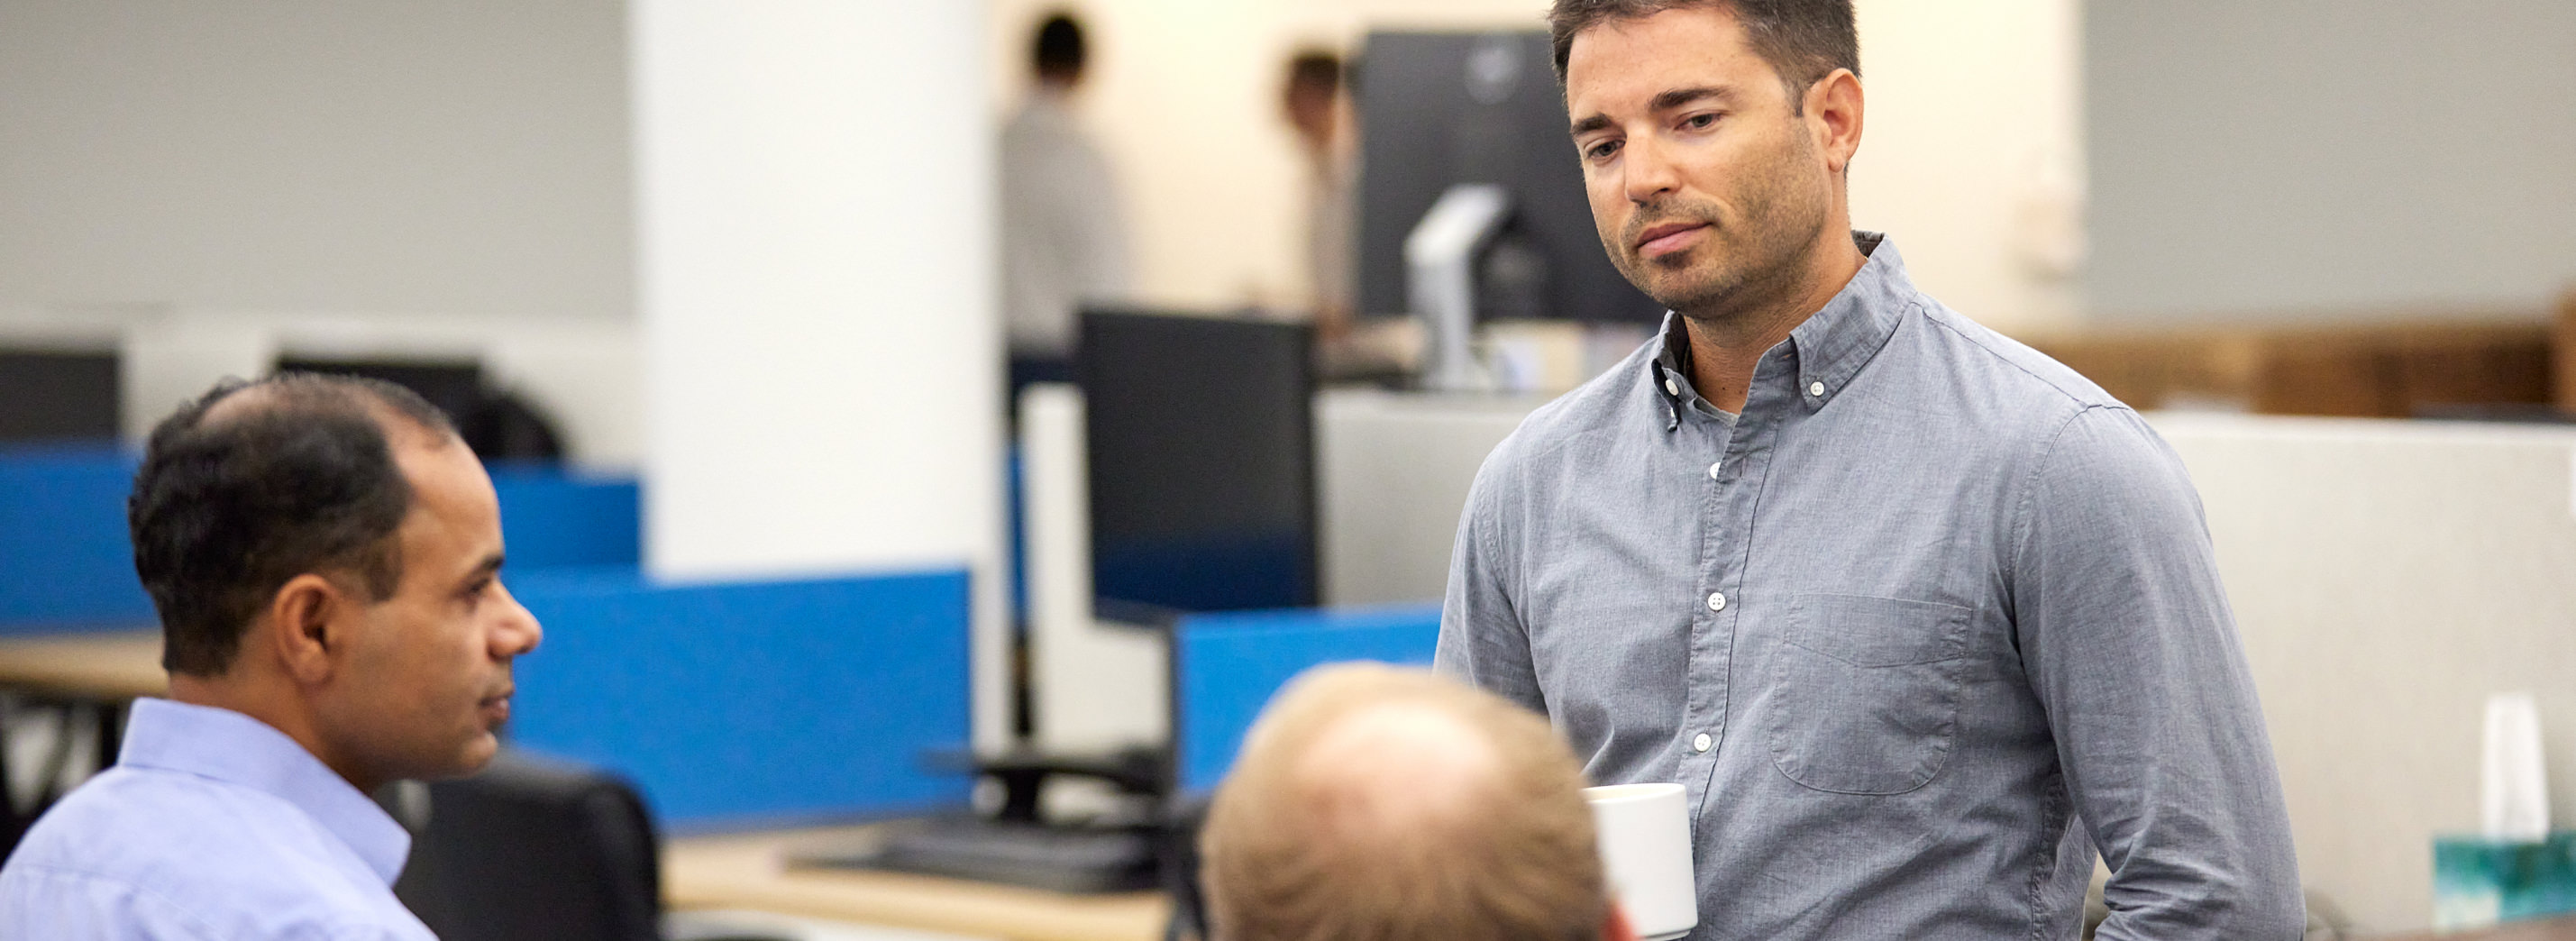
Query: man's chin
(1687, 299)
(474, 756)
(1678, 281)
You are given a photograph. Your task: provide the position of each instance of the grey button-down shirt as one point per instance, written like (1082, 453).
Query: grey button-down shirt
(1932, 620)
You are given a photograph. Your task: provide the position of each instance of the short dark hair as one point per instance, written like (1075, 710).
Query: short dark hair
(1058, 51)
(1315, 70)
(225, 512)
(1804, 40)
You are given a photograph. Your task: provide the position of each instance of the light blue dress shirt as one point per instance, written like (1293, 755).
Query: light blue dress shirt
(213, 826)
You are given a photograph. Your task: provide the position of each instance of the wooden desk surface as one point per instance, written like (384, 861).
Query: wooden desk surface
(750, 872)
(119, 665)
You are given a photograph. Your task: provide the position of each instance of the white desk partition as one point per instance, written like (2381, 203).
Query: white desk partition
(1097, 688)
(2386, 577)
(1392, 473)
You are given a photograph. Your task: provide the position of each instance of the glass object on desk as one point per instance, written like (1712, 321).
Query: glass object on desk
(2515, 784)
(2480, 882)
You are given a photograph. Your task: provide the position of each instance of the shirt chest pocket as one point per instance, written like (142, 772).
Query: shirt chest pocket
(1865, 692)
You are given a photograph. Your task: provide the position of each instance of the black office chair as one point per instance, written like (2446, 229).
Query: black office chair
(536, 850)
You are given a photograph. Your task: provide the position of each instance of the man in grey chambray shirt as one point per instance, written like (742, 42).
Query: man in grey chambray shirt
(1919, 617)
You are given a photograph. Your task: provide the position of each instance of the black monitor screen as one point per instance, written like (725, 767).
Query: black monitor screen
(1201, 440)
(59, 397)
(1438, 109)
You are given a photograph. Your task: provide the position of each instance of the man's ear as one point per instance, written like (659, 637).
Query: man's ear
(1615, 926)
(1834, 116)
(302, 626)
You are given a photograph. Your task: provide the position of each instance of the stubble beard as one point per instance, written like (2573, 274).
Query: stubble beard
(1748, 264)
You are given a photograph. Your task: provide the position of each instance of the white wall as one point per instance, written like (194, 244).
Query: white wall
(316, 155)
(1972, 155)
(2300, 157)
(815, 250)
(1973, 152)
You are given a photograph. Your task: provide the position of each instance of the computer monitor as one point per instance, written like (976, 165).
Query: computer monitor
(1440, 109)
(456, 386)
(56, 396)
(1201, 457)
(499, 425)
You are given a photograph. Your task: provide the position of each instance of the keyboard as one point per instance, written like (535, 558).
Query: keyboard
(1038, 856)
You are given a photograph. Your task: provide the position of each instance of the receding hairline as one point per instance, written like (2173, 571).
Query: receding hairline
(290, 394)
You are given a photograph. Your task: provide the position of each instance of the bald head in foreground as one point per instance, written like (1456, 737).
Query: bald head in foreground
(1378, 804)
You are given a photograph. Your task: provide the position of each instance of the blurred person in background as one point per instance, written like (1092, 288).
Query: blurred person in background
(325, 557)
(1386, 804)
(1311, 99)
(1064, 243)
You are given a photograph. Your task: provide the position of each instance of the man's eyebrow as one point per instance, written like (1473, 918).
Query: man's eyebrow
(1663, 102)
(490, 565)
(1682, 96)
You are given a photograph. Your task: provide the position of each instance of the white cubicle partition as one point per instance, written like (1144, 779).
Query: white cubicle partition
(1392, 471)
(1096, 687)
(2386, 577)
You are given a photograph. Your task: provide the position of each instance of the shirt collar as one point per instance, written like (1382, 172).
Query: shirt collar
(223, 745)
(1831, 346)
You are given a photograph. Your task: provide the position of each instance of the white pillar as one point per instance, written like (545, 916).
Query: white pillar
(813, 197)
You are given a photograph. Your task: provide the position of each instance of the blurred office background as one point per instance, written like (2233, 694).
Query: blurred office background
(746, 254)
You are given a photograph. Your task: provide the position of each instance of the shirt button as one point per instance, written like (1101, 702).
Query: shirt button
(1815, 388)
(1701, 743)
(1717, 601)
(1672, 387)
(1712, 470)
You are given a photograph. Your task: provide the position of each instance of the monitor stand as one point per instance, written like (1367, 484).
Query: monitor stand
(1100, 678)
(1440, 277)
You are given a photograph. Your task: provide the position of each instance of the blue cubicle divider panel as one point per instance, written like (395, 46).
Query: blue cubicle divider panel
(1227, 666)
(752, 702)
(65, 560)
(556, 519)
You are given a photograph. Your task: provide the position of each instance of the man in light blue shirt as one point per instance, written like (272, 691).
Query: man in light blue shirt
(325, 556)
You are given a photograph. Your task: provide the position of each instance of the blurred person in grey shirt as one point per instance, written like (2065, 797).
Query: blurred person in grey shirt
(1311, 100)
(1919, 617)
(1064, 243)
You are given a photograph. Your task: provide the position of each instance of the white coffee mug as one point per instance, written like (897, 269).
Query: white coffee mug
(1644, 832)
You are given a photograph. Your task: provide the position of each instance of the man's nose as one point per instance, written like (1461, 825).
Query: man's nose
(1646, 170)
(519, 631)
